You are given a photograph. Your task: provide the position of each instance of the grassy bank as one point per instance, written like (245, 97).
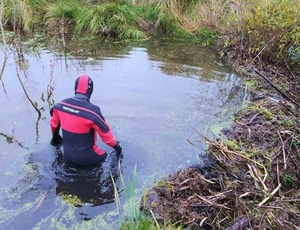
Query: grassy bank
(263, 30)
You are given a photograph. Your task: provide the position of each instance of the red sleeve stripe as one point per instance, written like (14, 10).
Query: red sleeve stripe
(81, 108)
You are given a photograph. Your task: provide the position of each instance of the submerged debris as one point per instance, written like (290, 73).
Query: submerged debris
(252, 183)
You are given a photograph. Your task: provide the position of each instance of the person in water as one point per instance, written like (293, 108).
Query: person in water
(80, 121)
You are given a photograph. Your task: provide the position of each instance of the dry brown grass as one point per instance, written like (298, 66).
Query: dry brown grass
(224, 15)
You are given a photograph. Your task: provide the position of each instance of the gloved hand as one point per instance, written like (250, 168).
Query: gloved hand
(118, 147)
(56, 140)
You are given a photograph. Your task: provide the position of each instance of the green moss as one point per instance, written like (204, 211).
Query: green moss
(166, 184)
(267, 114)
(284, 120)
(232, 144)
(71, 199)
(251, 83)
(28, 205)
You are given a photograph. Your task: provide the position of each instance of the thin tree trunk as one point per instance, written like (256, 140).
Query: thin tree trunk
(3, 39)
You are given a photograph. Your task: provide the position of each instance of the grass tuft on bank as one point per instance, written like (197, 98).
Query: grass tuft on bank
(263, 30)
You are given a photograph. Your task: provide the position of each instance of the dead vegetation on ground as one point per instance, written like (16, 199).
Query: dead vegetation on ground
(252, 181)
(253, 178)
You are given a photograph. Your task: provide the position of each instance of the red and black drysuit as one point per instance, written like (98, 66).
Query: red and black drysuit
(80, 122)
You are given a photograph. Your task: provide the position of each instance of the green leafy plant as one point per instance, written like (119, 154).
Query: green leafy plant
(131, 217)
(288, 179)
(272, 28)
(208, 35)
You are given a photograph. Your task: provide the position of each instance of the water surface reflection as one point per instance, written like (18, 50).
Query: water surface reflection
(151, 93)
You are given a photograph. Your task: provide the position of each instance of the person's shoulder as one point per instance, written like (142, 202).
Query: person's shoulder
(57, 104)
(94, 107)
(67, 99)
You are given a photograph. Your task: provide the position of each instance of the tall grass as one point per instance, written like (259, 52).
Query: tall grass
(187, 19)
(213, 14)
(170, 25)
(5, 49)
(24, 14)
(109, 19)
(61, 12)
(130, 215)
(171, 19)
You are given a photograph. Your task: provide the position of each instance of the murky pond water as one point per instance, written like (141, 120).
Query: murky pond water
(152, 94)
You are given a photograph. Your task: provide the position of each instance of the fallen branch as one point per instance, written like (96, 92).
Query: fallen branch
(283, 150)
(270, 196)
(40, 202)
(277, 88)
(211, 203)
(256, 175)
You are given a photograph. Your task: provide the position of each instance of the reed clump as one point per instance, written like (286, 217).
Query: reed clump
(25, 15)
(109, 19)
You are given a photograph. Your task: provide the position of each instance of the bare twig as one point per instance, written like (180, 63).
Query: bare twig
(40, 202)
(211, 203)
(283, 150)
(269, 196)
(266, 45)
(253, 118)
(208, 181)
(278, 172)
(204, 137)
(245, 194)
(202, 221)
(22, 85)
(259, 178)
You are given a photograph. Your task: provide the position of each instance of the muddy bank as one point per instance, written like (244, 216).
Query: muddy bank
(252, 179)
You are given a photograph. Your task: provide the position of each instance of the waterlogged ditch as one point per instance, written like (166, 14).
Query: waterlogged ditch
(151, 93)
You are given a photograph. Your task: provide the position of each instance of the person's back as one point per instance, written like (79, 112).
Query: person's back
(80, 121)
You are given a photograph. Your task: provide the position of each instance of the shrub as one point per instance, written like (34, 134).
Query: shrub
(273, 30)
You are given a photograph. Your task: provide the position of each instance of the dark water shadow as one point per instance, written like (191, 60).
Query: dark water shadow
(91, 185)
(86, 182)
(50, 177)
